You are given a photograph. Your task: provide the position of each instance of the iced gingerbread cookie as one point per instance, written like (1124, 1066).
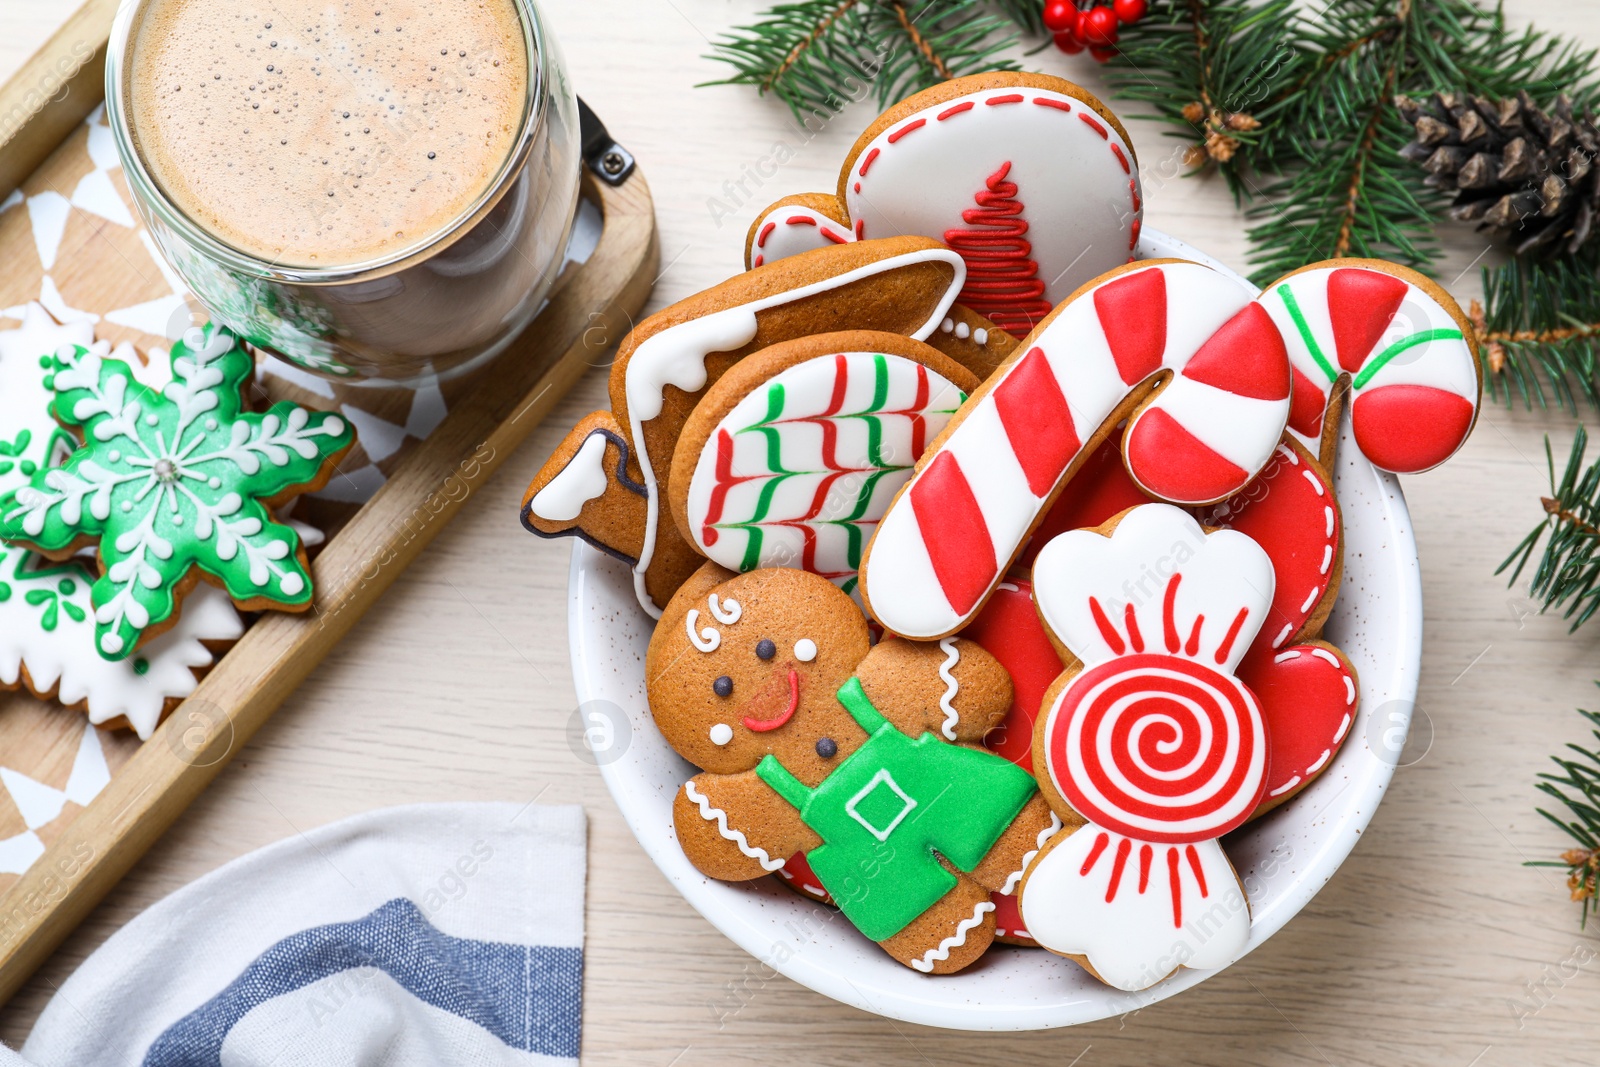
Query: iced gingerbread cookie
(1103, 356)
(1180, 351)
(1396, 343)
(1151, 748)
(174, 485)
(790, 459)
(1028, 176)
(46, 617)
(863, 758)
(610, 480)
(1307, 688)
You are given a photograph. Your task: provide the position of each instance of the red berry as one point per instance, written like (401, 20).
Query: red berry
(1098, 26)
(1060, 16)
(1129, 11)
(1102, 53)
(1069, 43)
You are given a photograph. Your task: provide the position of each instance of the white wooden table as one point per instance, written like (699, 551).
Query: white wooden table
(457, 687)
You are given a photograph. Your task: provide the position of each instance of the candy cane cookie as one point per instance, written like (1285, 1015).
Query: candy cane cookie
(1180, 350)
(1407, 354)
(1028, 176)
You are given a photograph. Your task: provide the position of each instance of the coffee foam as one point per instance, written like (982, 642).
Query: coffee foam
(326, 132)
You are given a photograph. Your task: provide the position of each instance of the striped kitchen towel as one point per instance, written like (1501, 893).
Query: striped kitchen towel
(425, 935)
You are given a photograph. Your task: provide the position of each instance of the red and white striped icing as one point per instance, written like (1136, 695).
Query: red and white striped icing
(964, 516)
(1414, 383)
(1036, 190)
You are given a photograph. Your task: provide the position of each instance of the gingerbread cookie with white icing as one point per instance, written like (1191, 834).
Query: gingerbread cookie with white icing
(863, 758)
(790, 459)
(610, 480)
(1150, 748)
(174, 485)
(47, 627)
(1202, 369)
(1028, 176)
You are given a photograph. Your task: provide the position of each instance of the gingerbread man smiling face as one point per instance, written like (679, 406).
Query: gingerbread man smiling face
(740, 668)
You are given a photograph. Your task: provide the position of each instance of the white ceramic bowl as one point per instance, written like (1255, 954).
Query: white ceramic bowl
(1283, 858)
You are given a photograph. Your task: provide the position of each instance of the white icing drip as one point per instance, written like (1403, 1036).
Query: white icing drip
(677, 356)
(705, 640)
(583, 479)
(720, 817)
(726, 612)
(955, 940)
(1027, 857)
(952, 656)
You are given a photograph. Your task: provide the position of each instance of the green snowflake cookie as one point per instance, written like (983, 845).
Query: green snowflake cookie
(175, 479)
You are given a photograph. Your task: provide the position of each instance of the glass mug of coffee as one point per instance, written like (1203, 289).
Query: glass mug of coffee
(378, 191)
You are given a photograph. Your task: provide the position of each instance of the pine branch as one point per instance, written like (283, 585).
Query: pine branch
(816, 55)
(1568, 572)
(1212, 69)
(1323, 167)
(1541, 330)
(1578, 788)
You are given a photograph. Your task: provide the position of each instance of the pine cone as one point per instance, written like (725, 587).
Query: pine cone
(1527, 173)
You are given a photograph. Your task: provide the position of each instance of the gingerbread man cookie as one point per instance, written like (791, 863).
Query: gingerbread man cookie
(174, 484)
(1029, 177)
(1151, 749)
(862, 757)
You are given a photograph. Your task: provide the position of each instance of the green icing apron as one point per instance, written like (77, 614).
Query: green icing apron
(886, 808)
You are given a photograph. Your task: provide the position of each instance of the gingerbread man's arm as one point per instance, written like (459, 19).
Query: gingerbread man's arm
(951, 688)
(734, 828)
(1002, 869)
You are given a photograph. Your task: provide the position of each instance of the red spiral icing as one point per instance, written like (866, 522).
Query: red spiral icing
(1002, 281)
(1159, 748)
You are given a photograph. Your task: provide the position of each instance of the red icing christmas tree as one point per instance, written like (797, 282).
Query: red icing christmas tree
(1002, 280)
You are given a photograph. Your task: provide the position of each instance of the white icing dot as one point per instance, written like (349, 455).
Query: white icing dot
(127, 506)
(947, 325)
(215, 482)
(66, 353)
(292, 584)
(177, 518)
(805, 650)
(981, 336)
(111, 643)
(334, 425)
(114, 456)
(151, 420)
(721, 734)
(211, 424)
(963, 330)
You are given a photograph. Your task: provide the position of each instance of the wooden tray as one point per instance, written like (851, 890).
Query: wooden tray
(96, 799)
